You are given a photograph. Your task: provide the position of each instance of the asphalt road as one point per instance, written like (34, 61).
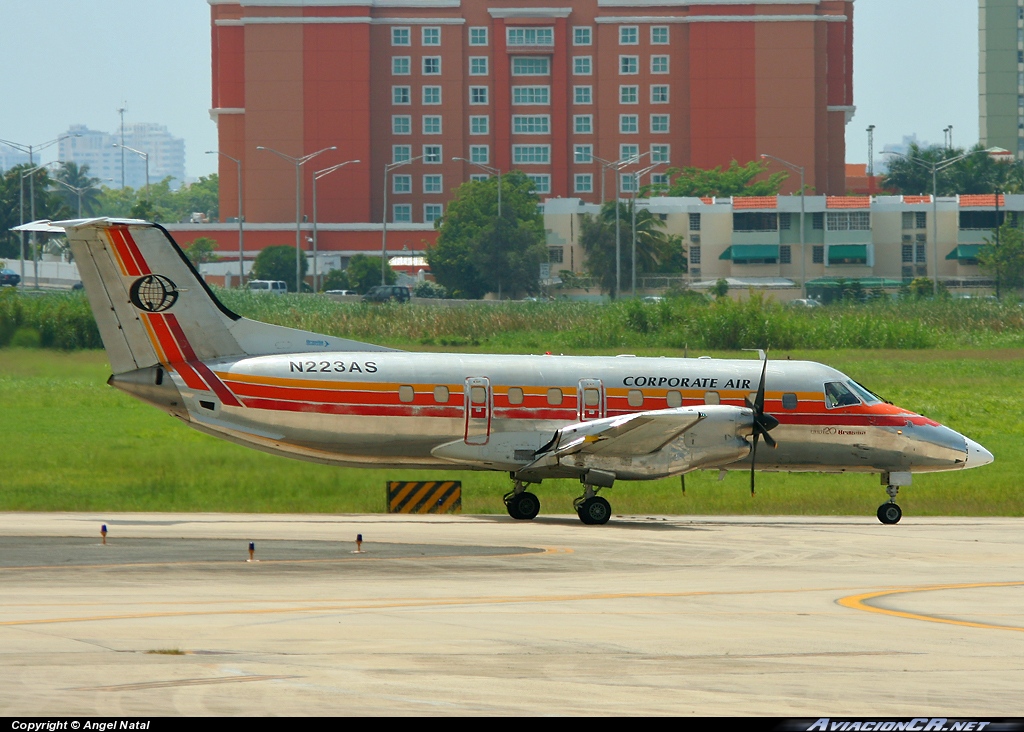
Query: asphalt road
(786, 616)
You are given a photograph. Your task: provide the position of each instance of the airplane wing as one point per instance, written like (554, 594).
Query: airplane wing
(633, 434)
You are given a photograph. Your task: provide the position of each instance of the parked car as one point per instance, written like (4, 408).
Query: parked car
(387, 293)
(341, 292)
(9, 277)
(805, 303)
(268, 287)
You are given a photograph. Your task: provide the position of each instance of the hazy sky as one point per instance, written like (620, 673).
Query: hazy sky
(77, 61)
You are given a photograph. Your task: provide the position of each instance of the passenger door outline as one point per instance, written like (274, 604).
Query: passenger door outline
(585, 412)
(478, 408)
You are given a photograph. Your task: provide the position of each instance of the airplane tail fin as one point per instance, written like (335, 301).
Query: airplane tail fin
(152, 307)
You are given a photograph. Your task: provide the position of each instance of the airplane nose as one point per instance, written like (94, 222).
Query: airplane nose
(977, 455)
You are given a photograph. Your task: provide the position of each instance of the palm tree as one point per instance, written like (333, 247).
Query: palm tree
(78, 186)
(597, 237)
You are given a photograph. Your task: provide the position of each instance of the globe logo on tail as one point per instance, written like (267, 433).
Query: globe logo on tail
(153, 293)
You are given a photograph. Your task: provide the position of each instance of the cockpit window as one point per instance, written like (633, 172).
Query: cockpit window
(865, 396)
(838, 394)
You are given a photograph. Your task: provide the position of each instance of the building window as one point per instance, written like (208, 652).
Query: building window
(431, 35)
(400, 153)
(581, 36)
(755, 221)
(583, 154)
(659, 94)
(659, 123)
(848, 221)
(907, 253)
(581, 65)
(480, 154)
(401, 124)
(659, 153)
(431, 65)
(659, 64)
(400, 95)
(695, 222)
(583, 124)
(584, 183)
(478, 36)
(920, 251)
(628, 94)
(785, 221)
(659, 35)
(478, 95)
(432, 184)
(401, 183)
(432, 154)
(629, 35)
(400, 37)
(629, 64)
(479, 177)
(531, 124)
(556, 255)
(785, 254)
(400, 65)
(627, 182)
(530, 36)
(432, 212)
(541, 183)
(531, 95)
(628, 124)
(531, 66)
(401, 213)
(531, 154)
(478, 66)
(818, 221)
(432, 124)
(582, 95)
(817, 254)
(695, 252)
(629, 152)
(479, 125)
(431, 95)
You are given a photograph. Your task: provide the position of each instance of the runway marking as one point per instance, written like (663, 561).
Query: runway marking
(859, 602)
(182, 682)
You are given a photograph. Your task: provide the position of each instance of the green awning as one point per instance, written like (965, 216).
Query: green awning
(864, 281)
(966, 251)
(751, 251)
(847, 251)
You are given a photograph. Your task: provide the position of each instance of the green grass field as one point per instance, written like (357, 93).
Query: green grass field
(70, 442)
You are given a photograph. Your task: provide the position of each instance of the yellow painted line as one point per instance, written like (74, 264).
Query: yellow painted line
(860, 602)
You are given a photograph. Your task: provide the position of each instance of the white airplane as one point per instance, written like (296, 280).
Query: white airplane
(172, 344)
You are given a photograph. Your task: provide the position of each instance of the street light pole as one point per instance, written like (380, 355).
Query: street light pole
(384, 217)
(298, 162)
(317, 175)
(241, 249)
(144, 156)
(636, 185)
(803, 190)
(31, 173)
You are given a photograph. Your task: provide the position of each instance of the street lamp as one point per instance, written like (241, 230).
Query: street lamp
(492, 171)
(78, 191)
(317, 175)
(32, 149)
(298, 163)
(636, 185)
(800, 169)
(241, 250)
(384, 217)
(144, 156)
(935, 167)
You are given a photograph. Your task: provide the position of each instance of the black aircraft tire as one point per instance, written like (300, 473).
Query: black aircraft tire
(512, 506)
(889, 513)
(595, 511)
(527, 506)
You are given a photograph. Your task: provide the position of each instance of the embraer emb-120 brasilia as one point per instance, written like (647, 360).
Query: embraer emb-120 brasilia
(172, 344)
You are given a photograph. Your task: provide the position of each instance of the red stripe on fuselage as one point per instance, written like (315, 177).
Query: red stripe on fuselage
(124, 252)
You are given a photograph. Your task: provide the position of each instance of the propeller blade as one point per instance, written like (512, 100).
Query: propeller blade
(753, 461)
(769, 441)
(760, 387)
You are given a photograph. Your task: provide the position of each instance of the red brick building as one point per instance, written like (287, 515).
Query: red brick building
(517, 84)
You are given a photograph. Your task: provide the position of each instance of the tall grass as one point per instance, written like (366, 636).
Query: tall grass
(64, 321)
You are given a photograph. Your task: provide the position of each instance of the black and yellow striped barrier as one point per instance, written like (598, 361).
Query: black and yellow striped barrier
(436, 496)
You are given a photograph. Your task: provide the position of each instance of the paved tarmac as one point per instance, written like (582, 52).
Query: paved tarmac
(467, 615)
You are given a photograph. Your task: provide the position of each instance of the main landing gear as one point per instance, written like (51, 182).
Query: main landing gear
(521, 504)
(889, 512)
(590, 507)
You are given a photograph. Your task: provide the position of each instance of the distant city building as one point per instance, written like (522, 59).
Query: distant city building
(9, 157)
(1001, 74)
(96, 149)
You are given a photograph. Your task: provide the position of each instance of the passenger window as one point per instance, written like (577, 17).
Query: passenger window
(554, 397)
(635, 398)
(838, 395)
(591, 397)
(515, 395)
(477, 395)
(711, 397)
(789, 401)
(405, 393)
(674, 399)
(441, 394)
